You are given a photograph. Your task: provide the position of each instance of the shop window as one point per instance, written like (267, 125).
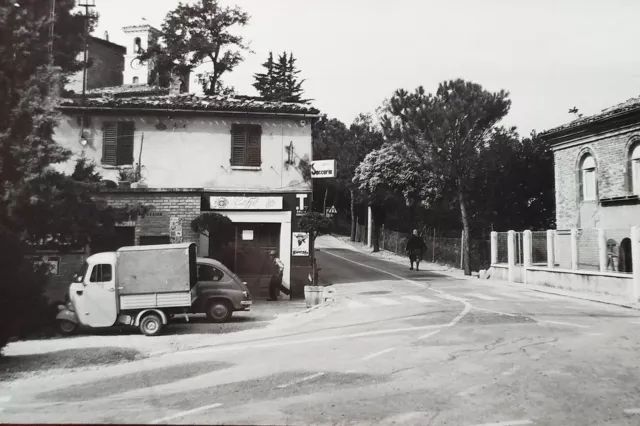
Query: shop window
(117, 143)
(246, 145)
(587, 178)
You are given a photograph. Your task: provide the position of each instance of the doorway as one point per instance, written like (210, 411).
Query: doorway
(625, 262)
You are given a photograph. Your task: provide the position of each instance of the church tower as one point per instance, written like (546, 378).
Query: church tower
(139, 39)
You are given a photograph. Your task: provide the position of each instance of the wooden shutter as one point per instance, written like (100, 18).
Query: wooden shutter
(109, 143)
(124, 154)
(238, 145)
(254, 134)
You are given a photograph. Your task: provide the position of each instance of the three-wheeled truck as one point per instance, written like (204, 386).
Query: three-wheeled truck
(140, 286)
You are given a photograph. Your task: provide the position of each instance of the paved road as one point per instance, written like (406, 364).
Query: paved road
(397, 347)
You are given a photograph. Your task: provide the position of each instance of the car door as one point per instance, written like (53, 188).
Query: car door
(99, 297)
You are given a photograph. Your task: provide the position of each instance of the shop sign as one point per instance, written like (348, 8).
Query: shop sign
(300, 244)
(301, 208)
(245, 203)
(323, 169)
(175, 229)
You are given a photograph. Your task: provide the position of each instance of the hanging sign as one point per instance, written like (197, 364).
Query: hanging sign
(323, 169)
(300, 244)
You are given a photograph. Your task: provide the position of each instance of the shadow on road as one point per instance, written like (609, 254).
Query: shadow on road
(13, 366)
(128, 382)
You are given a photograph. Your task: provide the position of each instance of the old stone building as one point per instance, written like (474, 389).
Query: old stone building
(106, 65)
(597, 169)
(597, 185)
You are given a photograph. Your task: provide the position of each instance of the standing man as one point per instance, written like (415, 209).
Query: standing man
(277, 268)
(415, 249)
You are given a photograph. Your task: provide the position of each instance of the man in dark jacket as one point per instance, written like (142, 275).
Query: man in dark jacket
(277, 270)
(415, 249)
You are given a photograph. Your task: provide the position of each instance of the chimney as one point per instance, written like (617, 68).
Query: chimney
(106, 35)
(175, 85)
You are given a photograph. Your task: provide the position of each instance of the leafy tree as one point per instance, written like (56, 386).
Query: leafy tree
(315, 224)
(195, 34)
(447, 131)
(215, 226)
(280, 82)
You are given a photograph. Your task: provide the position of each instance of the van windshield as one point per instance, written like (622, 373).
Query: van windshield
(82, 272)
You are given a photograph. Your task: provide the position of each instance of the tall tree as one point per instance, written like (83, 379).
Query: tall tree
(280, 80)
(447, 131)
(197, 33)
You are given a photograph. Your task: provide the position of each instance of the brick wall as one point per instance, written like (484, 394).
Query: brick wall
(610, 151)
(178, 205)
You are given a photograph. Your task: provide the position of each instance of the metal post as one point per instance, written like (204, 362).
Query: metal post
(494, 247)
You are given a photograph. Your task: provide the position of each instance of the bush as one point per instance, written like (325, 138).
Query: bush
(23, 307)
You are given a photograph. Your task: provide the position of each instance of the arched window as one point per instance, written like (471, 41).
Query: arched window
(587, 178)
(634, 168)
(135, 80)
(137, 45)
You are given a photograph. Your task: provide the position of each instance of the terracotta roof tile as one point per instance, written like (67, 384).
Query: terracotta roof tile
(155, 98)
(628, 105)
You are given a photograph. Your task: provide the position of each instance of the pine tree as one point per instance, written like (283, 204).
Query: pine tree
(280, 82)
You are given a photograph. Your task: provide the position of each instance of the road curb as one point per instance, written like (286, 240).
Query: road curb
(540, 289)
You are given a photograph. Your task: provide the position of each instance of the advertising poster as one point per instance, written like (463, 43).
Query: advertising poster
(300, 244)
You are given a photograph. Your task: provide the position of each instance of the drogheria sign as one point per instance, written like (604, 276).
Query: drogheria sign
(323, 169)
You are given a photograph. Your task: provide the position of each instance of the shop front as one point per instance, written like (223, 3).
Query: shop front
(263, 223)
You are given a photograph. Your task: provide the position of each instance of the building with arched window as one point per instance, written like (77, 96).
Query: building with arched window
(597, 169)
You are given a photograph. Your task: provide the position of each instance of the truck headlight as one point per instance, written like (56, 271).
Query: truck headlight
(246, 294)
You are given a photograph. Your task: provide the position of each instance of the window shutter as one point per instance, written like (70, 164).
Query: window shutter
(253, 146)
(238, 145)
(109, 143)
(125, 143)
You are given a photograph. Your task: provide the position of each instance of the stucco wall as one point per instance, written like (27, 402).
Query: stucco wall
(195, 152)
(610, 151)
(610, 284)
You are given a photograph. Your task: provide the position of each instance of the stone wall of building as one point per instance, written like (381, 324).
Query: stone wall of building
(106, 66)
(610, 151)
(170, 216)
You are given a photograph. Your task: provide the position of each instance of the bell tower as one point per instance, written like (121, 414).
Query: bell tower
(139, 39)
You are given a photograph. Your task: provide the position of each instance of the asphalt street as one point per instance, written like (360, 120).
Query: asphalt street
(396, 347)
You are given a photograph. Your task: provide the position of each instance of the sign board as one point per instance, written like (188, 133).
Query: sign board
(323, 169)
(245, 203)
(53, 262)
(247, 234)
(331, 211)
(300, 244)
(302, 206)
(175, 229)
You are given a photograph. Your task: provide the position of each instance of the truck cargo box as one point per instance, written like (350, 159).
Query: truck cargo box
(167, 268)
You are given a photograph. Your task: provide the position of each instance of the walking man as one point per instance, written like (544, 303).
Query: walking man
(277, 268)
(415, 249)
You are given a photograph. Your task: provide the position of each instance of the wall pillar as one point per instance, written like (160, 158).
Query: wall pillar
(574, 248)
(551, 248)
(635, 262)
(369, 227)
(527, 249)
(602, 249)
(494, 247)
(511, 255)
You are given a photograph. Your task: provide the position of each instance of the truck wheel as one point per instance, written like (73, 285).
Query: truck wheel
(67, 327)
(219, 311)
(151, 325)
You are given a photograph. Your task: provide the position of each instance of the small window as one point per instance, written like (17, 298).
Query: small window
(588, 178)
(117, 143)
(137, 45)
(246, 145)
(209, 273)
(136, 80)
(101, 273)
(634, 160)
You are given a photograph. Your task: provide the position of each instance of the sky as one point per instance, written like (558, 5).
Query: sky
(550, 55)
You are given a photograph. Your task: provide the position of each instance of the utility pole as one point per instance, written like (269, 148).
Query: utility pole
(86, 4)
(52, 17)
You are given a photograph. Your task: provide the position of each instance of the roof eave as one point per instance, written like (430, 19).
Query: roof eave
(153, 111)
(562, 134)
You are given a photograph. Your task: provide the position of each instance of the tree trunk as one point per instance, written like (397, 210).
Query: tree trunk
(465, 226)
(376, 218)
(353, 215)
